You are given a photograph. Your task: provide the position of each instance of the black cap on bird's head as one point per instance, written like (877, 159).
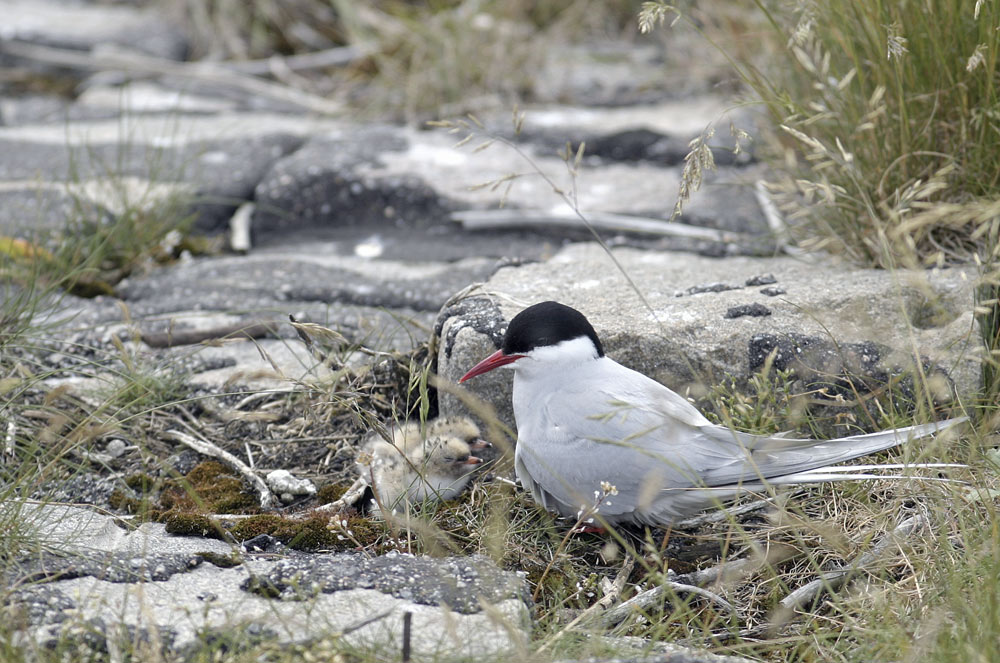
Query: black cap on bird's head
(541, 325)
(547, 323)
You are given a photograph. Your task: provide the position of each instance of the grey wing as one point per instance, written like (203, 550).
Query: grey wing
(665, 459)
(764, 457)
(614, 437)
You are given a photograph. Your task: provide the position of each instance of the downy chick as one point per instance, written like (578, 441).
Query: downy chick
(414, 469)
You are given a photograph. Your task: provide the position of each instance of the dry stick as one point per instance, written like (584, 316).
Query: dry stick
(208, 449)
(614, 593)
(833, 580)
(775, 221)
(509, 218)
(723, 515)
(651, 598)
(686, 583)
(349, 498)
(146, 64)
(234, 331)
(331, 57)
(407, 619)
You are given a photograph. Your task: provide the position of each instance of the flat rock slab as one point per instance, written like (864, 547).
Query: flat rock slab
(709, 319)
(83, 26)
(319, 174)
(112, 582)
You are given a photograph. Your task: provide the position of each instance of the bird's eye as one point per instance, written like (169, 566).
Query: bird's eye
(449, 459)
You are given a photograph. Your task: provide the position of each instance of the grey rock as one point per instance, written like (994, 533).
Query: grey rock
(210, 164)
(601, 73)
(333, 181)
(147, 97)
(461, 583)
(79, 531)
(83, 26)
(108, 587)
(116, 448)
(287, 487)
(643, 144)
(225, 174)
(33, 109)
(480, 315)
(761, 279)
(31, 210)
(81, 488)
(708, 287)
(687, 345)
(726, 202)
(217, 175)
(344, 176)
(300, 273)
(113, 567)
(658, 132)
(755, 310)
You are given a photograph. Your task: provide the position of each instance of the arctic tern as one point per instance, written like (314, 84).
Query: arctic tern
(593, 435)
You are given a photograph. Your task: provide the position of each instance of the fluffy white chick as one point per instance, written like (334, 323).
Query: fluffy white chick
(414, 468)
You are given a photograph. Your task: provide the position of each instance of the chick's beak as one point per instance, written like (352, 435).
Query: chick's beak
(472, 460)
(479, 445)
(495, 360)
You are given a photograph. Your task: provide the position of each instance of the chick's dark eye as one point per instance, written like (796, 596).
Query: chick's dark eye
(449, 459)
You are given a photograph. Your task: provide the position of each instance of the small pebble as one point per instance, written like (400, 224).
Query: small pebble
(707, 287)
(772, 292)
(761, 279)
(116, 448)
(754, 310)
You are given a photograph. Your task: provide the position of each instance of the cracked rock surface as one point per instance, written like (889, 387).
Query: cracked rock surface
(709, 319)
(110, 581)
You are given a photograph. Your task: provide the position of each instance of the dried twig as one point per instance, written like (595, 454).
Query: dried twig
(611, 596)
(349, 498)
(652, 597)
(723, 515)
(234, 331)
(647, 650)
(686, 583)
(493, 219)
(833, 580)
(149, 65)
(208, 449)
(331, 57)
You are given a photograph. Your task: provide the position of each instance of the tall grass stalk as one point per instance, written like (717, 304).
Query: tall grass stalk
(893, 108)
(884, 110)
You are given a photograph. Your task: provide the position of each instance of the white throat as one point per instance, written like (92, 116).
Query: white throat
(553, 361)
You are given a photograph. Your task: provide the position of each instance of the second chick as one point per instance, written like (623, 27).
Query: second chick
(413, 468)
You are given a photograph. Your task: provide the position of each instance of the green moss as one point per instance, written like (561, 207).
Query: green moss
(313, 534)
(248, 528)
(366, 531)
(141, 482)
(331, 492)
(206, 471)
(119, 501)
(221, 561)
(308, 533)
(209, 487)
(192, 524)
